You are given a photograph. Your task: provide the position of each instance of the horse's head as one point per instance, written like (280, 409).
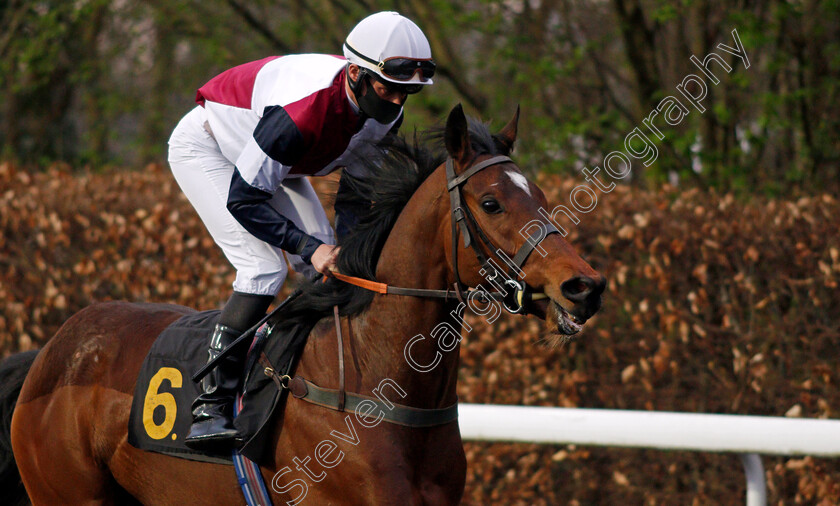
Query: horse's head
(501, 216)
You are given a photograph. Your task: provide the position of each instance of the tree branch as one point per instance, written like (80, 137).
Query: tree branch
(324, 25)
(16, 19)
(448, 64)
(259, 26)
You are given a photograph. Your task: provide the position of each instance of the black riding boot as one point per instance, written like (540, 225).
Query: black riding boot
(212, 427)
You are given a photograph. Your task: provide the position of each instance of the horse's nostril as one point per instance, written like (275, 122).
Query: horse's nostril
(583, 288)
(577, 289)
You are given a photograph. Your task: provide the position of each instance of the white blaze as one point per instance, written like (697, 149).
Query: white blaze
(519, 180)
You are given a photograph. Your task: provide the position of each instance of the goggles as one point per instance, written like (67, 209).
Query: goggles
(400, 68)
(407, 88)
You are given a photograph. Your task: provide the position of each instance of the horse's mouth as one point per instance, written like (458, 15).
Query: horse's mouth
(557, 318)
(567, 323)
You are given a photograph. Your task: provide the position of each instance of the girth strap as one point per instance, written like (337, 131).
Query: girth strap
(341, 400)
(395, 413)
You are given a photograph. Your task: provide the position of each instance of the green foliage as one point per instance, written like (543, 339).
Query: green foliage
(98, 81)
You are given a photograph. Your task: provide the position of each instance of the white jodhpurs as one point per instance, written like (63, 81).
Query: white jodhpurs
(204, 176)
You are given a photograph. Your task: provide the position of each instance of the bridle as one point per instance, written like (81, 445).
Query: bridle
(514, 301)
(516, 294)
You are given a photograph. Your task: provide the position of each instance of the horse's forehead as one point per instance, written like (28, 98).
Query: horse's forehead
(519, 180)
(515, 177)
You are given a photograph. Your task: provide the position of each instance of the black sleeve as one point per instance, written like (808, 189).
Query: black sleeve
(278, 136)
(250, 207)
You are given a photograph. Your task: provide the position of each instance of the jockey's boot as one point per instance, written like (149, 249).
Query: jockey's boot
(212, 428)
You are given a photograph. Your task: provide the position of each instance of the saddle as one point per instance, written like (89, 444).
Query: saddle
(160, 416)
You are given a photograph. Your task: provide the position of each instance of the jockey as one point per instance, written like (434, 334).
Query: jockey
(241, 157)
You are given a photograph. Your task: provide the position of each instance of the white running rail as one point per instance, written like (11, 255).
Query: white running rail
(747, 436)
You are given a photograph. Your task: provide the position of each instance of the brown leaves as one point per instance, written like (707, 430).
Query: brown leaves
(70, 240)
(714, 305)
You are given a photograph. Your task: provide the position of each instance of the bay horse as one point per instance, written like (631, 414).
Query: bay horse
(69, 427)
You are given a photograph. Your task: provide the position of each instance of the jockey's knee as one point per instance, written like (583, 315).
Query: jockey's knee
(265, 282)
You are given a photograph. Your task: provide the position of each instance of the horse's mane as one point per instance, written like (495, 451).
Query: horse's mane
(395, 171)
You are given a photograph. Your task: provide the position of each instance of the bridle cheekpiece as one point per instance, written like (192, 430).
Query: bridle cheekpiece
(516, 293)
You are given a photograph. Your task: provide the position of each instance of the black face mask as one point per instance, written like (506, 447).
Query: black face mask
(371, 104)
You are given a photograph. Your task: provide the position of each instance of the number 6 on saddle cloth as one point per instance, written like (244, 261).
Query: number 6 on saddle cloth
(160, 414)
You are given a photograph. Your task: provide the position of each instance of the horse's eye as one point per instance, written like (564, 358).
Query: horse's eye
(491, 206)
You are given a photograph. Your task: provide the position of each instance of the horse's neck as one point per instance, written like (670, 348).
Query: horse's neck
(413, 256)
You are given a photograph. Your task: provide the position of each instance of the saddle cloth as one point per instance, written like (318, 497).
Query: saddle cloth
(160, 416)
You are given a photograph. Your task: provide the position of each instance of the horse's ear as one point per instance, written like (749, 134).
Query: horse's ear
(457, 136)
(507, 135)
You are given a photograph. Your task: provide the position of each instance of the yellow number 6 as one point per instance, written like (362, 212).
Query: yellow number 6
(165, 399)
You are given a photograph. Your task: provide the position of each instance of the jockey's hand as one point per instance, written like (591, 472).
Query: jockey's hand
(324, 258)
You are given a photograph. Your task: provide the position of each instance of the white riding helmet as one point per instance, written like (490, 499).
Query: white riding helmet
(391, 46)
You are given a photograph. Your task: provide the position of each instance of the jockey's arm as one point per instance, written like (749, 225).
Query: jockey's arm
(250, 206)
(264, 163)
